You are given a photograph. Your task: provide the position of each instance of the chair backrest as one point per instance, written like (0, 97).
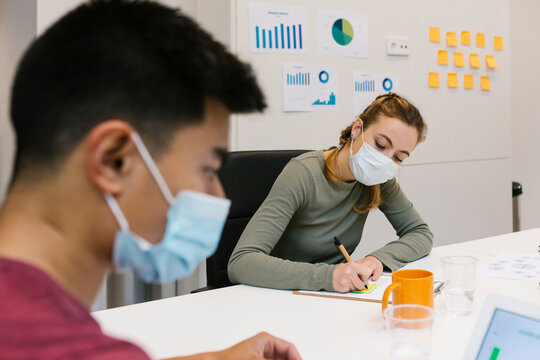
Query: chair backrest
(247, 178)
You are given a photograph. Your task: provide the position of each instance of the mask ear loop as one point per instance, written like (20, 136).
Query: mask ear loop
(352, 139)
(117, 212)
(152, 167)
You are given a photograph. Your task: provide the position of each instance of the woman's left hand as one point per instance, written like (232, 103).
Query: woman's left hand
(374, 264)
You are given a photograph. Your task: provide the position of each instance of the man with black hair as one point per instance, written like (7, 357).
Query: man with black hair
(121, 113)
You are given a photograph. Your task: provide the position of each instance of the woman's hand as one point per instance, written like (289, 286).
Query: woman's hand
(353, 276)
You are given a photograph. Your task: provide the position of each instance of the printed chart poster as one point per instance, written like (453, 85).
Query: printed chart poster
(342, 34)
(309, 87)
(366, 87)
(277, 28)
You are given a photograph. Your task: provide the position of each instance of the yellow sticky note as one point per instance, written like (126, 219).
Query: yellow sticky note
(433, 80)
(452, 80)
(484, 83)
(468, 81)
(434, 34)
(497, 43)
(465, 38)
(451, 39)
(480, 40)
(442, 57)
(458, 59)
(370, 288)
(474, 61)
(490, 62)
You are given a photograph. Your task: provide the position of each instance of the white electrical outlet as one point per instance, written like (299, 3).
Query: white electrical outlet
(397, 46)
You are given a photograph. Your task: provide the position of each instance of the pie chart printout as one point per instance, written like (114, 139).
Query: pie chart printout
(342, 32)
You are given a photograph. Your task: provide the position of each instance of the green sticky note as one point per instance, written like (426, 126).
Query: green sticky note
(369, 289)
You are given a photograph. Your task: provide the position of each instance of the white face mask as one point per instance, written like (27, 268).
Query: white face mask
(369, 166)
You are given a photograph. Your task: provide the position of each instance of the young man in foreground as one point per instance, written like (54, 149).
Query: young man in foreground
(121, 112)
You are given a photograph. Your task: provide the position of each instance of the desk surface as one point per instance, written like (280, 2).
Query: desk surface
(320, 328)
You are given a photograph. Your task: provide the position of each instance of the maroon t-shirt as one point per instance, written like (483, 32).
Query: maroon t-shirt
(40, 320)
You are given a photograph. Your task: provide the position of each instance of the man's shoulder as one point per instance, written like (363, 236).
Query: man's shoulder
(40, 320)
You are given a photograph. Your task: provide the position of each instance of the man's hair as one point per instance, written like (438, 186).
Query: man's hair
(134, 60)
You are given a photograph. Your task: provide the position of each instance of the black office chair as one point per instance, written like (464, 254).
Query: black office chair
(247, 178)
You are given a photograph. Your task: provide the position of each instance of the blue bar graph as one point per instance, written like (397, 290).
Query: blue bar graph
(270, 38)
(298, 79)
(364, 86)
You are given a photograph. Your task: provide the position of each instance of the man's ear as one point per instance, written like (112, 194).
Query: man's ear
(109, 154)
(356, 129)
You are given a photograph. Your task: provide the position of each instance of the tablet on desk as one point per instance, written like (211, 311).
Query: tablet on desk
(507, 329)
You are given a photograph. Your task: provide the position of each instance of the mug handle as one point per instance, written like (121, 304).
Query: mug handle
(386, 295)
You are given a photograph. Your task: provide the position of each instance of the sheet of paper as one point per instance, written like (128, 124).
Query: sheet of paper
(497, 42)
(490, 62)
(513, 266)
(434, 34)
(342, 34)
(433, 80)
(367, 86)
(474, 60)
(459, 61)
(480, 40)
(451, 39)
(442, 57)
(468, 81)
(276, 28)
(376, 294)
(484, 83)
(465, 37)
(308, 87)
(452, 80)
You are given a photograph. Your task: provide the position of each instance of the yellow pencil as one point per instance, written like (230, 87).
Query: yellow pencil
(345, 254)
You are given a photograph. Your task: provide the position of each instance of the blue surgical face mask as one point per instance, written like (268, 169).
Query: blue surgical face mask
(194, 225)
(369, 166)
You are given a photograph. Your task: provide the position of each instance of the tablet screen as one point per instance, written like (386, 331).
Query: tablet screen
(510, 336)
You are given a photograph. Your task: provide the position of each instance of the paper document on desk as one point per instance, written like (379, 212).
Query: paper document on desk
(373, 296)
(514, 266)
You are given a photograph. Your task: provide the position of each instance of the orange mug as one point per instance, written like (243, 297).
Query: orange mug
(410, 287)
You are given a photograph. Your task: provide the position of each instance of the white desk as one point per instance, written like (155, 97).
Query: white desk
(320, 328)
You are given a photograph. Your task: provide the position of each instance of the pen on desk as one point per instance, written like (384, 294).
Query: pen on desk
(345, 254)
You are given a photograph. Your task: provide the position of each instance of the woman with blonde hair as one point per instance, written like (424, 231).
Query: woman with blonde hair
(288, 244)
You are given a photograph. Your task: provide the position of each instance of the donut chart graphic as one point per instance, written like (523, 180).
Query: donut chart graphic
(342, 32)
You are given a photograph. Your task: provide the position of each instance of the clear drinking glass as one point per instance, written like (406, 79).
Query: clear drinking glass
(409, 328)
(459, 283)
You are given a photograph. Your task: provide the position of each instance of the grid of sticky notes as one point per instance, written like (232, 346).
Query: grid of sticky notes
(461, 52)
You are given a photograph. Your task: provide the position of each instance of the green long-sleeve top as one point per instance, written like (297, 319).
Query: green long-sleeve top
(288, 243)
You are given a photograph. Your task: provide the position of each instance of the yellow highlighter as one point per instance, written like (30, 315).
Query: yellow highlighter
(345, 254)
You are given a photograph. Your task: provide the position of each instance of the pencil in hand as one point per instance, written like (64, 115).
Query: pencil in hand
(345, 254)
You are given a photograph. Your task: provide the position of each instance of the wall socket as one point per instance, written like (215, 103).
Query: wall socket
(397, 46)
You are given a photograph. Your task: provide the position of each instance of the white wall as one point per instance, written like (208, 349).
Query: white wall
(459, 179)
(17, 29)
(525, 29)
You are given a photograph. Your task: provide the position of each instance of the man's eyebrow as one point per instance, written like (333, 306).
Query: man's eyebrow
(390, 142)
(222, 154)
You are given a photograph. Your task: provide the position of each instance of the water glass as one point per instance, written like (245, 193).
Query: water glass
(409, 328)
(459, 283)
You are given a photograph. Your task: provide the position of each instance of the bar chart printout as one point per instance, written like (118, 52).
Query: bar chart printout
(309, 87)
(277, 28)
(367, 86)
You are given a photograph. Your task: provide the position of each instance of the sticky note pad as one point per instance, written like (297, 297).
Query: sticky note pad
(434, 34)
(458, 59)
(451, 39)
(433, 80)
(497, 43)
(370, 288)
(468, 81)
(442, 57)
(452, 80)
(484, 83)
(474, 60)
(465, 38)
(480, 40)
(490, 62)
